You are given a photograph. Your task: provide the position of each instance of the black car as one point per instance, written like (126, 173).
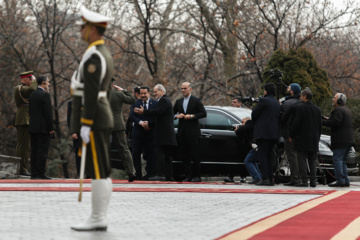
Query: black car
(221, 151)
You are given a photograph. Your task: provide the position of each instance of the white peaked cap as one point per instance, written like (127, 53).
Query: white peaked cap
(88, 16)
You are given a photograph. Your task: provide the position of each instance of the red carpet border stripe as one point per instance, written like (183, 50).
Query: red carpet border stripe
(149, 189)
(64, 181)
(333, 216)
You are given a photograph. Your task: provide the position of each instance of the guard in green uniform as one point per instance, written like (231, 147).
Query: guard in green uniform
(22, 119)
(92, 116)
(118, 97)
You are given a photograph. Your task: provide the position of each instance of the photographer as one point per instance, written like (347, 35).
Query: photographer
(266, 131)
(287, 115)
(237, 102)
(245, 131)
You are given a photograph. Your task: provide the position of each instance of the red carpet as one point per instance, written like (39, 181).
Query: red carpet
(333, 216)
(3, 187)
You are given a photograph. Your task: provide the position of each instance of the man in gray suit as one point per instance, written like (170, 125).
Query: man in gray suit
(118, 96)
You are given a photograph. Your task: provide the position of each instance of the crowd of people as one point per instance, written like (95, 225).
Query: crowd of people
(299, 121)
(95, 114)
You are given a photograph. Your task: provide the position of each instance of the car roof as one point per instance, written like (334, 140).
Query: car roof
(234, 111)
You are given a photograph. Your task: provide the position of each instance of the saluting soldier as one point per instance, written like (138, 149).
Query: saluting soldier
(119, 96)
(92, 116)
(22, 119)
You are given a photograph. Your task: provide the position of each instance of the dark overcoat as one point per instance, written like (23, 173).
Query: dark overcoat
(265, 117)
(164, 121)
(342, 134)
(306, 128)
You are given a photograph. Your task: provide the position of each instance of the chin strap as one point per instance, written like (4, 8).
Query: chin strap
(87, 33)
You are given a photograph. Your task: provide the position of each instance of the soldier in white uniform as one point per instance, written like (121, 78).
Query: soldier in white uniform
(92, 116)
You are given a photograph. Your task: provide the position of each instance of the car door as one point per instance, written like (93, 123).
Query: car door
(218, 142)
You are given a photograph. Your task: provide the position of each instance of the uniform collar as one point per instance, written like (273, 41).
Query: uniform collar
(98, 42)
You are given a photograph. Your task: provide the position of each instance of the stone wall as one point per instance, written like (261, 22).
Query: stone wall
(9, 166)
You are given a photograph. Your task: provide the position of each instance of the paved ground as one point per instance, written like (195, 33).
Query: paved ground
(141, 215)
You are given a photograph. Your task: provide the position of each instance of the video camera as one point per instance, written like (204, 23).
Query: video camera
(250, 100)
(275, 74)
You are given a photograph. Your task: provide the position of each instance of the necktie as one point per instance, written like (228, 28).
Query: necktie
(145, 105)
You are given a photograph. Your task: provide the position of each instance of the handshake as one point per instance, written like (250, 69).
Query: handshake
(145, 125)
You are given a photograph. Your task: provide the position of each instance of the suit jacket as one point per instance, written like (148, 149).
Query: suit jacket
(342, 134)
(306, 128)
(138, 131)
(117, 98)
(265, 117)
(164, 120)
(190, 127)
(21, 97)
(41, 118)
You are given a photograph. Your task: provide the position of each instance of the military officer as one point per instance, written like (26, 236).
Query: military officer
(22, 119)
(92, 116)
(118, 96)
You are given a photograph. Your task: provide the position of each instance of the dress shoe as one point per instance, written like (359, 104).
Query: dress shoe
(336, 184)
(157, 178)
(196, 179)
(188, 179)
(291, 183)
(132, 177)
(266, 182)
(254, 181)
(347, 184)
(229, 179)
(25, 173)
(145, 178)
(301, 185)
(312, 184)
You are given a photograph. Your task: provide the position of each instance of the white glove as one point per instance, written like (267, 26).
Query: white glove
(85, 134)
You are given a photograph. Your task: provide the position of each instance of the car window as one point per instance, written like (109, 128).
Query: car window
(218, 120)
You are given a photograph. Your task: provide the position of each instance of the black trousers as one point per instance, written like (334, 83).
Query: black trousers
(311, 158)
(164, 157)
(189, 152)
(137, 147)
(265, 148)
(40, 144)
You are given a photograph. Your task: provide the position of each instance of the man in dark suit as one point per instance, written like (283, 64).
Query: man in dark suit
(41, 127)
(76, 139)
(189, 110)
(265, 117)
(165, 134)
(305, 132)
(129, 124)
(119, 96)
(142, 136)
